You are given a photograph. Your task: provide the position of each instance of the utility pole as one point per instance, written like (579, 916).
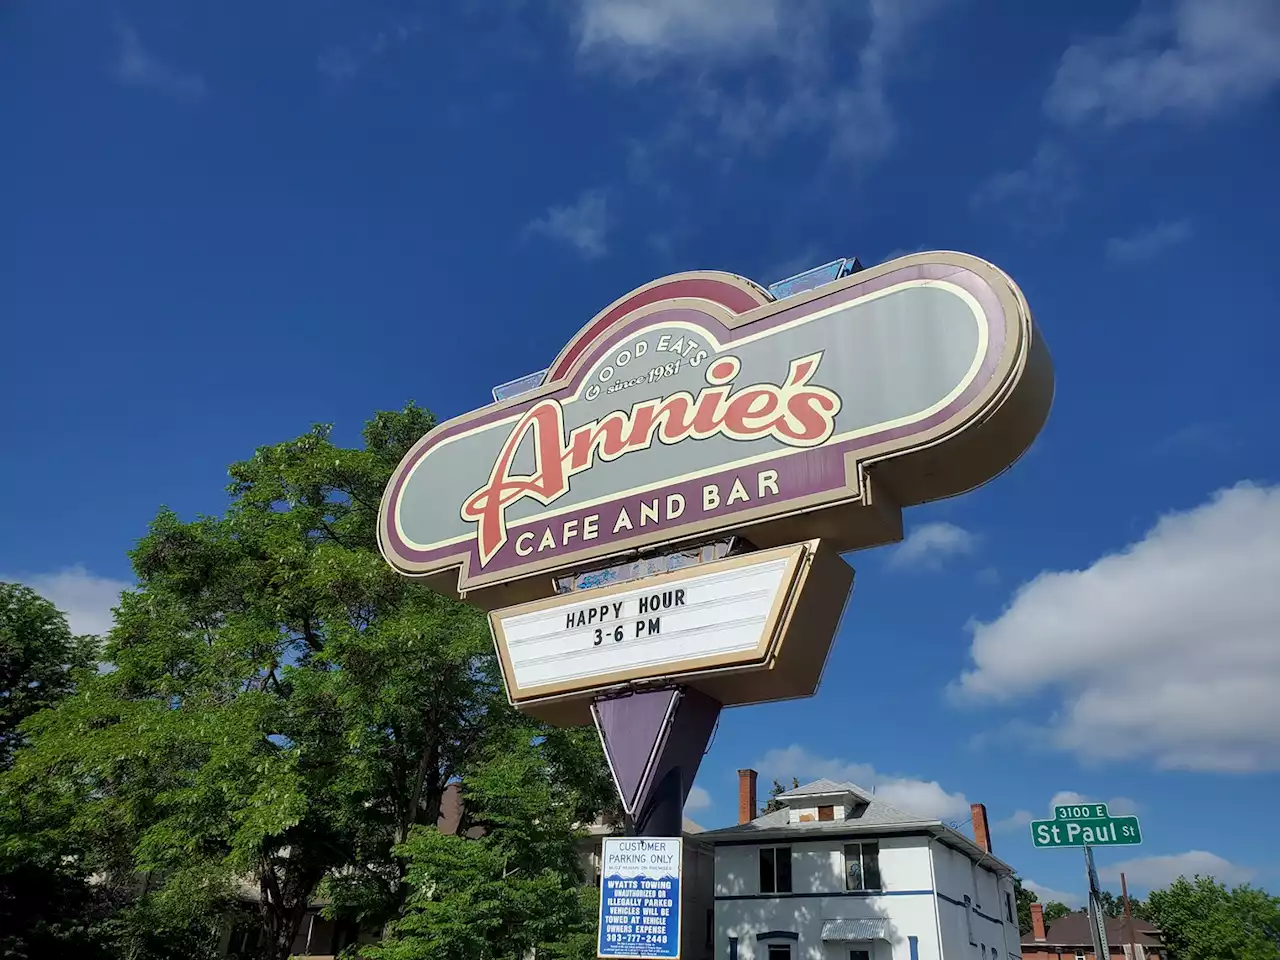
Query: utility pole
(1128, 918)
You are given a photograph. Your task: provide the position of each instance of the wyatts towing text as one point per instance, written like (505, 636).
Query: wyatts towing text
(796, 413)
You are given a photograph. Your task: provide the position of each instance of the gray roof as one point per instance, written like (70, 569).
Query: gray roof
(824, 787)
(869, 812)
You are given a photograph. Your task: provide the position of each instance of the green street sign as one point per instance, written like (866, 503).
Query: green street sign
(1089, 831)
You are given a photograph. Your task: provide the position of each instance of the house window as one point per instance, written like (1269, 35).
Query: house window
(711, 929)
(995, 955)
(779, 951)
(862, 866)
(968, 919)
(982, 951)
(826, 813)
(1079, 955)
(1008, 907)
(775, 870)
(859, 955)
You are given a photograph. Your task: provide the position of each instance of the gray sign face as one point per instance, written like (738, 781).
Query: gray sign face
(697, 405)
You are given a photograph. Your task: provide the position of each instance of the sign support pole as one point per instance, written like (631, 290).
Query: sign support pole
(1097, 919)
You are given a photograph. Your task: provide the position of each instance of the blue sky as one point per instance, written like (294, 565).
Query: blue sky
(228, 221)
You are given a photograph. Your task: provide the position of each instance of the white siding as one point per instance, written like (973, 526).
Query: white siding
(920, 879)
(817, 867)
(958, 877)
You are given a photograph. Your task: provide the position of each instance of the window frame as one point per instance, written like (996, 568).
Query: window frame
(862, 866)
(1008, 907)
(778, 951)
(775, 891)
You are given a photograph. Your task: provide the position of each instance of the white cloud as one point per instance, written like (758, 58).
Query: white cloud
(1195, 58)
(135, 66)
(803, 76)
(1148, 244)
(342, 62)
(655, 28)
(85, 599)
(1152, 873)
(1116, 806)
(698, 799)
(1035, 197)
(926, 798)
(931, 544)
(1049, 895)
(582, 224)
(1016, 821)
(1147, 644)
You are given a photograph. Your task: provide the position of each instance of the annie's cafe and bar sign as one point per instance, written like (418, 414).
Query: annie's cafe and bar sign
(656, 527)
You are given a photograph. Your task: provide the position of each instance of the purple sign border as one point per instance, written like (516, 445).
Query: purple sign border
(800, 474)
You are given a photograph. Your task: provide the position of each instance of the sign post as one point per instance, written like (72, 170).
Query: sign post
(1097, 917)
(655, 523)
(640, 911)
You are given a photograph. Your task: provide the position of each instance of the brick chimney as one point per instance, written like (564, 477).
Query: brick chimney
(746, 795)
(981, 833)
(1037, 922)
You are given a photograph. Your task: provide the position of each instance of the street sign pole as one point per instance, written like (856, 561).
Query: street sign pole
(1097, 917)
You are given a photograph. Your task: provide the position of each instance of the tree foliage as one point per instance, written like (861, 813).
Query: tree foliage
(775, 791)
(47, 907)
(516, 890)
(1204, 920)
(1024, 898)
(38, 659)
(1055, 910)
(283, 707)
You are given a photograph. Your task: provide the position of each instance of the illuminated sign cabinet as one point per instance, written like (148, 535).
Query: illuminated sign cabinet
(698, 407)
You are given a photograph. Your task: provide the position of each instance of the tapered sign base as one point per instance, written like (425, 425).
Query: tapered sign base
(654, 741)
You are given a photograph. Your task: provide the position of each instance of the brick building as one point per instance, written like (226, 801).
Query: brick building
(1069, 938)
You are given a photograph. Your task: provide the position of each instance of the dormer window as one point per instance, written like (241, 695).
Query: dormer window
(827, 813)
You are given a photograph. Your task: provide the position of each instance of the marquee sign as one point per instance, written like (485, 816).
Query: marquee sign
(698, 625)
(697, 406)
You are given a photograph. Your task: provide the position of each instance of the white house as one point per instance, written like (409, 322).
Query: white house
(837, 874)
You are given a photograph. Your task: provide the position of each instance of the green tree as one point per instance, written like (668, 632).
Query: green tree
(38, 658)
(1203, 920)
(1024, 898)
(47, 907)
(517, 889)
(775, 791)
(1055, 910)
(283, 709)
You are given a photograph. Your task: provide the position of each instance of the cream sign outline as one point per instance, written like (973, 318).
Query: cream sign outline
(796, 414)
(483, 488)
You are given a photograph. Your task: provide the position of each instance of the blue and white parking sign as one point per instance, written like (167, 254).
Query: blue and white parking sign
(640, 898)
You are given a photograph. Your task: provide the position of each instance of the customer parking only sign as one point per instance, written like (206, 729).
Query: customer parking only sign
(640, 898)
